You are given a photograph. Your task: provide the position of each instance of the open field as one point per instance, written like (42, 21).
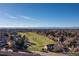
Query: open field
(39, 41)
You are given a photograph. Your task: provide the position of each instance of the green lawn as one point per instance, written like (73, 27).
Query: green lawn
(39, 41)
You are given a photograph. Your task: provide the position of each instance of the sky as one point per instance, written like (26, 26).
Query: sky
(39, 15)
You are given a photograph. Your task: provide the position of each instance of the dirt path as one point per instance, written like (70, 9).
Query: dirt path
(49, 53)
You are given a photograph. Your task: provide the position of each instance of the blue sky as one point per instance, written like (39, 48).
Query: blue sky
(39, 15)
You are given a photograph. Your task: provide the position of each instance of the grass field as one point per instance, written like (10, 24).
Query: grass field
(39, 41)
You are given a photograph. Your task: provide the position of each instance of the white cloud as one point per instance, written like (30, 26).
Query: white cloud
(21, 16)
(28, 18)
(10, 16)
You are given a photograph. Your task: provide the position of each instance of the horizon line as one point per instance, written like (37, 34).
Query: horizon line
(39, 27)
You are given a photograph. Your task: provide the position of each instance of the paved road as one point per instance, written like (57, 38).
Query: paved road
(17, 54)
(50, 53)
